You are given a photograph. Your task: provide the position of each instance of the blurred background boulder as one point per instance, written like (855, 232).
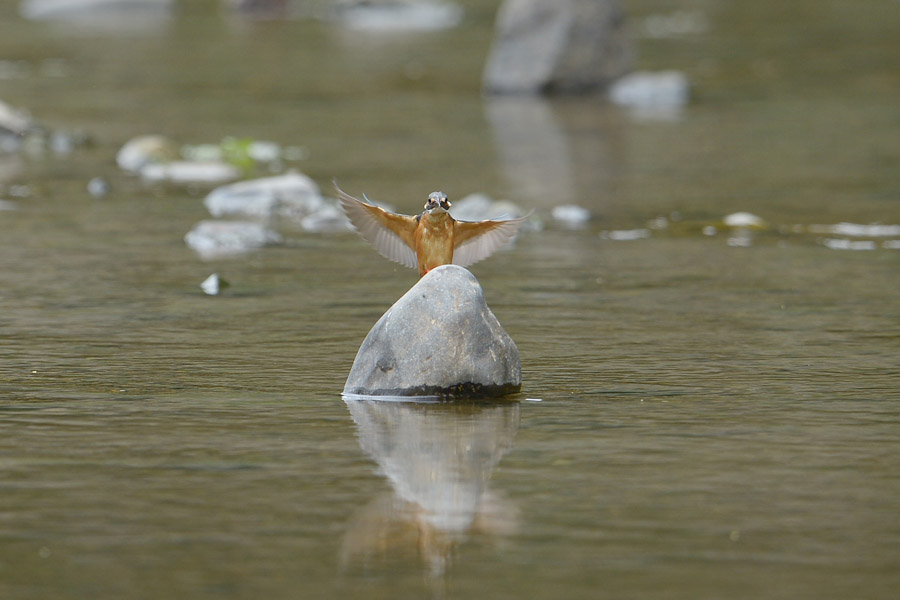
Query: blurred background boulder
(557, 46)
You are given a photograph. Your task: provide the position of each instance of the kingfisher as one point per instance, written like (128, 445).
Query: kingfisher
(430, 239)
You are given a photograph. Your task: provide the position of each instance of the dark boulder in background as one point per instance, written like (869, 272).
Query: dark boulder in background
(557, 46)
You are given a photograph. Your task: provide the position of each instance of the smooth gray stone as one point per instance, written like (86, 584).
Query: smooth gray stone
(292, 195)
(217, 239)
(557, 46)
(440, 339)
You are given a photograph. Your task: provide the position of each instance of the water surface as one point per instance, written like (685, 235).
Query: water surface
(719, 408)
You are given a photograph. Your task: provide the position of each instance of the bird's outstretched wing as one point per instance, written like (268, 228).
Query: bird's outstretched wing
(392, 235)
(476, 240)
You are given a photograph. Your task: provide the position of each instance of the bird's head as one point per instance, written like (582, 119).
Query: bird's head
(437, 202)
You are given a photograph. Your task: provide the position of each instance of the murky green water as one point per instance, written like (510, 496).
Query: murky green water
(720, 414)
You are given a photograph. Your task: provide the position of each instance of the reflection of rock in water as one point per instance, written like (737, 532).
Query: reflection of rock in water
(547, 46)
(533, 148)
(555, 153)
(438, 458)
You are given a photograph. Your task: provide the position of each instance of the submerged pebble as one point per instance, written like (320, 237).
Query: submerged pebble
(98, 187)
(841, 244)
(645, 89)
(625, 235)
(478, 207)
(328, 219)
(658, 223)
(14, 126)
(571, 215)
(143, 150)
(213, 284)
(855, 230)
(263, 151)
(293, 195)
(744, 220)
(185, 171)
(19, 191)
(474, 207)
(13, 120)
(211, 239)
(678, 23)
(741, 238)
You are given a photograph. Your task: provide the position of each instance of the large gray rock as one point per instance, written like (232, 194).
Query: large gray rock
(440, 338)
(557, 46)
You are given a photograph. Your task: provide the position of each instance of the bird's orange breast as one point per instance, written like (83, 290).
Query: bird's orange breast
(434, 241)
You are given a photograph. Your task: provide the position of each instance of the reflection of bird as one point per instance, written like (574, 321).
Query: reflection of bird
(431, 239)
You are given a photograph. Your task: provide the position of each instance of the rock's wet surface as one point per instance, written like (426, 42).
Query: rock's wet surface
(719, 392)
(440, 338)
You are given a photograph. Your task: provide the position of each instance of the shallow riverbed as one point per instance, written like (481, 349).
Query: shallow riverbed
(719, 407)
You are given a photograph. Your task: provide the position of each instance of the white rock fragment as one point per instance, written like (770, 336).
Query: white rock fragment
(113, 16)
(143, 150)
(855, 230)
(571, 215)
(202, 152)
(645, 89)
(744, 220)
(19, 191)
(83, 9)
(185, 172)
(478, 207)
(98, 187)
(678, 23)
(474, 207)
(399, 15)
(328, 219)
(13, 120)
(212, 239)
(263, 151)
(295, 153)
(213, 284)
(14, 69)
(293, 195)
(742, 238)
(625, 235)
(841, 244)
(658, 223)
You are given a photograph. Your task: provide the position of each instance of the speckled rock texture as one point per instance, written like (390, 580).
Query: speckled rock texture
(439, 339)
